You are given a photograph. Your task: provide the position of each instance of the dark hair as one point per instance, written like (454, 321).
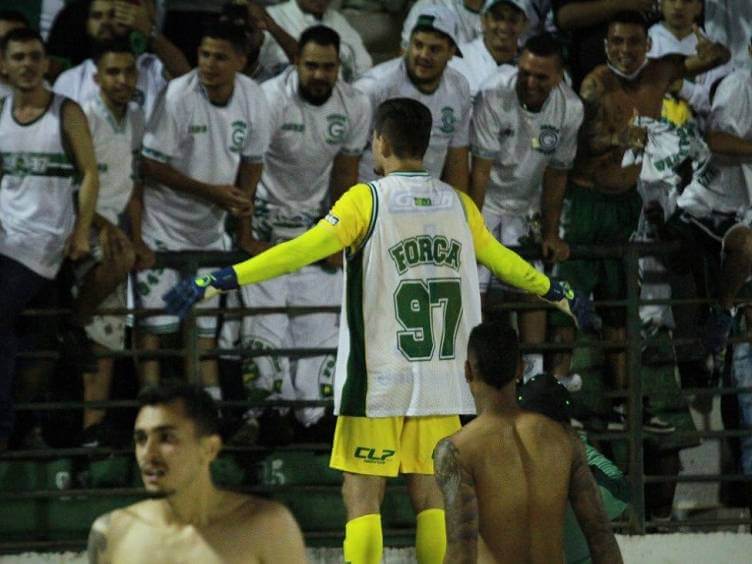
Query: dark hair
(114, 46)
(14, 16)
(545, 45)
(197, 403)
(21, 34)
(406, 124)
(235, 35)
(629, 17)
(320, 35)
(496, 348)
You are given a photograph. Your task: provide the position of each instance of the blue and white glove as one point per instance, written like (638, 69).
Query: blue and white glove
(574, 304)
(180, 299)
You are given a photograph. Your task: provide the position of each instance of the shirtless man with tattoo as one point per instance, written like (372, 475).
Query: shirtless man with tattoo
(188, 519)
(602, 205)
(507, 475)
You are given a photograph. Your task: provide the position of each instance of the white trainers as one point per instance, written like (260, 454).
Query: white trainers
(572, 382)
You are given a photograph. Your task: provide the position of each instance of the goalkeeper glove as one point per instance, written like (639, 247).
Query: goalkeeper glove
(574, 304)
(180, 299)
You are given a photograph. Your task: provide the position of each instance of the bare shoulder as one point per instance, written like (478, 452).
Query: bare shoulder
(98, 542)
(594, 86)
(261, 513)
(272, 521)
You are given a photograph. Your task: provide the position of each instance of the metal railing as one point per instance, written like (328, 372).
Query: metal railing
(189, 262)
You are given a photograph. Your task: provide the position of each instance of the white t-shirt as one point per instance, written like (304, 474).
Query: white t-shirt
(476, 63)
(450, 106)
(5, 89)
(522, 143)
(697, 91)
(352, 52)
(469, 21)
(726, 185)
(730, 22)
(117, 146)
(78, 83)
(294, 186)
(205, 142)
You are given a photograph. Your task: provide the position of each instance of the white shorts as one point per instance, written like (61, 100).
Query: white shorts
(151, 285)
(109, 330)
(508, 229)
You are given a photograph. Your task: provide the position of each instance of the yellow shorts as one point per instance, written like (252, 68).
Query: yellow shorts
(387, 446)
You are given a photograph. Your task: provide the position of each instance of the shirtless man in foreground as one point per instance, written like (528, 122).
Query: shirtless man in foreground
(188, 519)
(506, 476)
(602, 204)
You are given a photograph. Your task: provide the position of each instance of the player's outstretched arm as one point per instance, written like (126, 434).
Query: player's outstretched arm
(97, 544)
(460, 503)
(312, 246)
(588, 507)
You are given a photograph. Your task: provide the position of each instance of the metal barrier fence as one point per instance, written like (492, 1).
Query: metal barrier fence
(189, 262)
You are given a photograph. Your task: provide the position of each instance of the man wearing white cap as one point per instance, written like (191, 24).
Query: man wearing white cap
(524, 137)
(503, 22)
(422, 75)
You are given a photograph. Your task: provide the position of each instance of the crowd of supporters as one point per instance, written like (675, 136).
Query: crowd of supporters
(216, 126)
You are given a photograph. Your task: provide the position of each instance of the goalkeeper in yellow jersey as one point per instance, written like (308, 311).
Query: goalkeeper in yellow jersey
(411, 298)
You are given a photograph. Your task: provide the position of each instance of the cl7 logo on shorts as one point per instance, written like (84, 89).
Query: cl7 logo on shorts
(371, 457)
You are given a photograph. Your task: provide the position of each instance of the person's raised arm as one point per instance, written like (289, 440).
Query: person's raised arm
(576, 15)
(460, 503)
(96, 548)
(264, 22)
(588, 507)
(78, 137)
(708, 56)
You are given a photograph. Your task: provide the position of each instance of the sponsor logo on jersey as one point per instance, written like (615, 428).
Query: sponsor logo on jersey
(330, 218)
(372, 455)
(239, 131)
(547, 140)
(448, 119)
(406, 202)
(195, 129)
(297, 127)
(36, 164)
(335, 128)
(425, 249)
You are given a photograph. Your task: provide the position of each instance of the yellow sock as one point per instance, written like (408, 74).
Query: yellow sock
(364, 542)
(430, 537)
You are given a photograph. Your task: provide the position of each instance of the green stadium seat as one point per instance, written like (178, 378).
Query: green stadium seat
(298, 467)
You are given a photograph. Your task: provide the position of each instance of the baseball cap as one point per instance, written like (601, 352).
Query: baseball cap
(439, 18)
(523, 5)
(545, 395)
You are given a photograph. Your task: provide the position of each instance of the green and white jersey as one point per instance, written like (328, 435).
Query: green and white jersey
(450, 106)
(117, 146)
(411, 299)
(205, 142)
(293, 192)
(36, 191)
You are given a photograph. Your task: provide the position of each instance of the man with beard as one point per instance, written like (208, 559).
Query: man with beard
(110, 19)
(503, 23)
(602, 204)
(524, 140)
(422, 75)
(189, 519)
(203, 155)
(319, 126)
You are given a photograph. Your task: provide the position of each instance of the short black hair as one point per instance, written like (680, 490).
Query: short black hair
(406, 124)
(14, 16)
(120, 45)
(21, 34)
(320, 35)
(629, 17)
(197, 403)
(545, 45)
(235, 35)
(496, 349)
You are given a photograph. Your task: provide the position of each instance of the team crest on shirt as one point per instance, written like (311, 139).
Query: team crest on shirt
(448, 119)
(547, 140)
(335, 128)
(139, 97)
(237, 137)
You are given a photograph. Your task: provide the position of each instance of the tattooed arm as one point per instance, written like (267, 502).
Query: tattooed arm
(588, 507)
(97, 545)
(460, 503)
